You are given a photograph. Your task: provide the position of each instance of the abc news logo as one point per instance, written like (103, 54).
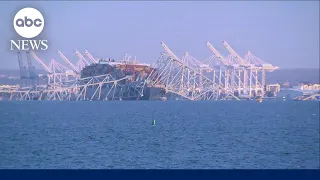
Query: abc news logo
(28, 23)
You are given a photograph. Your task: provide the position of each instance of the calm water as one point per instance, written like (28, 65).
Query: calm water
(225, 134)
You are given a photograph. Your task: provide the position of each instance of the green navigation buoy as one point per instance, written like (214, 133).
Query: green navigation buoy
(153, 122)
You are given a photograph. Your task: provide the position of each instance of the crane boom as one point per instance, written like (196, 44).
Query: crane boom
(195, 62)
(170, 52)
(82, 58)
(254, 59)
(68, 62)
(217, 54)
(90, 56)
(239, 59)
(40, 62)
(80, 64)
(60, 65)
(56, 66)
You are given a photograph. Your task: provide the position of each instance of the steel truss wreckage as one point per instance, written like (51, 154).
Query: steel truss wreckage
(181, 79)
(217, 77)
(103, 87)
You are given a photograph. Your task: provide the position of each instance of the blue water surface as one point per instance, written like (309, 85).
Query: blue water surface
(120, 134)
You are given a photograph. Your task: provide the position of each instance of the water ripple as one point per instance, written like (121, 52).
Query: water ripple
(187, 134)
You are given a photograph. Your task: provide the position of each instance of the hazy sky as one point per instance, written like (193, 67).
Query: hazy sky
(282, 33)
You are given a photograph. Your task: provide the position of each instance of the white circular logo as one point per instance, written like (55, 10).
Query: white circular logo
(28, 22)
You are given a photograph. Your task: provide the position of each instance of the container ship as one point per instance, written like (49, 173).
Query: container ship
(134, 73)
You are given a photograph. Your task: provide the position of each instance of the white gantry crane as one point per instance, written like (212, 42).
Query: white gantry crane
(218, 55)
(248, 75)
(90, 57)
(45, 67)
(73, 67)
(55, 71)
(170, 52)
(261, 65)
(218, 77)
(196, 64)
(82, 58)
(184, 77)
(80, 65)
(239, 59)
(226, 69)
(57, 67)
